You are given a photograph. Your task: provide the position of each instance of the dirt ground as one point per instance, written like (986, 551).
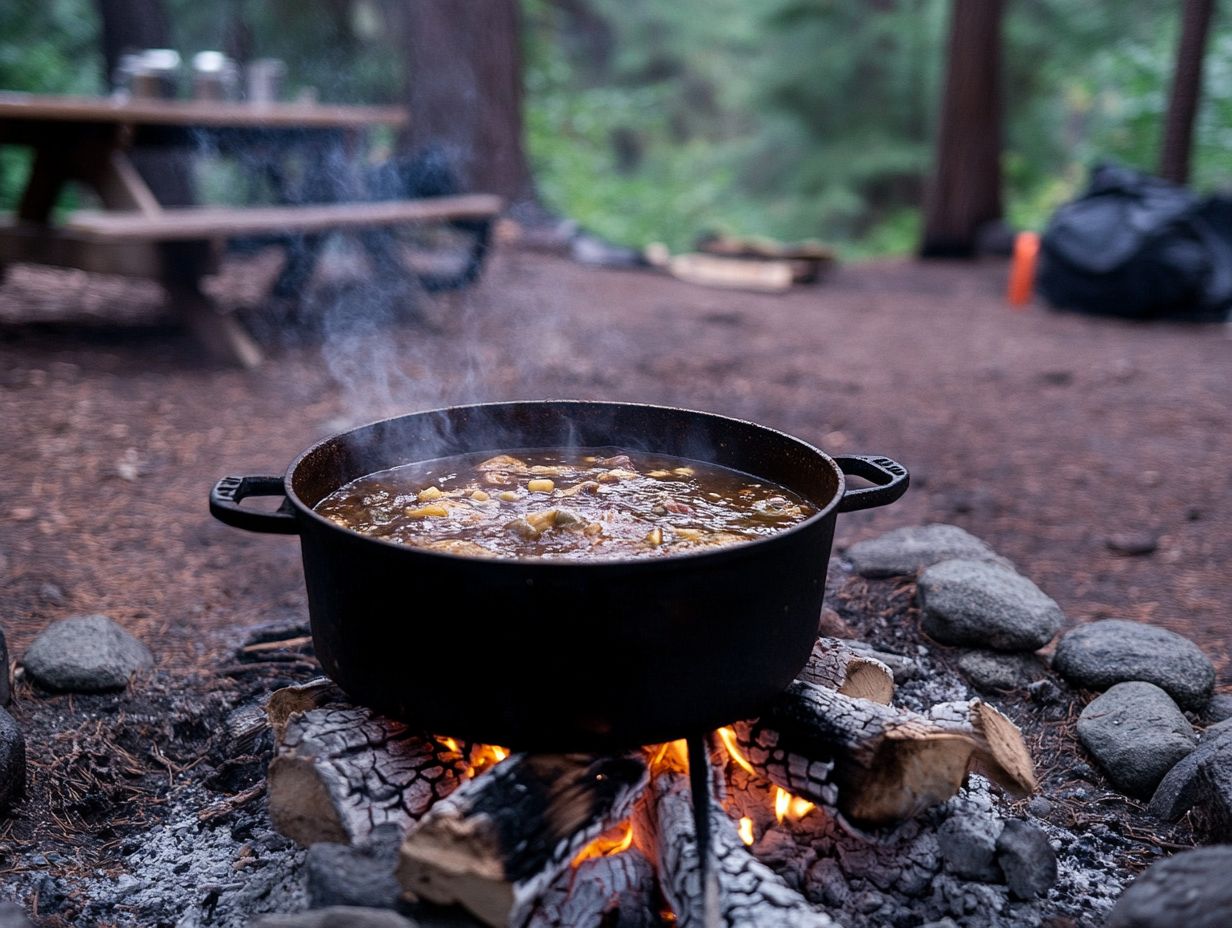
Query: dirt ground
(1043, 433)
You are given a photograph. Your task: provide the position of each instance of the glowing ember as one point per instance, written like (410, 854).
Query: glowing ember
(608, 844)
(478, 757)
(746, 830)
(674, 753)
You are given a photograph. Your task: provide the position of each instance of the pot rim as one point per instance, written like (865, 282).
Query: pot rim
(545, 564)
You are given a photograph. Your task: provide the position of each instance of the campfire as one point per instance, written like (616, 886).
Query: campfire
(537, 840)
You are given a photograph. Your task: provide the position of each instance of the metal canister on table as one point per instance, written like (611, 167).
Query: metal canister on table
(215, 77)
(264, 77)
(153, 74)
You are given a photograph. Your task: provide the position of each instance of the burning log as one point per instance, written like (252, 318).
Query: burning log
(340, 770)
(879, 764)
(837, 666)
(744, 890)
(498, 843)
(614, 889)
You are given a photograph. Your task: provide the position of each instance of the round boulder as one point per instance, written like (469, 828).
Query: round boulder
(85, 654)
(1137, 734)
(906, 550)
(985, 605)
(12, 760)
(989, 671)
(1099, 654)
(1190, 889)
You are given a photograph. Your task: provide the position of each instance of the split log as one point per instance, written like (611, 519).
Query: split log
(879, 764)
(496, 844)
(745, 891)
(340, 770)
(610, 891)
(837, 666)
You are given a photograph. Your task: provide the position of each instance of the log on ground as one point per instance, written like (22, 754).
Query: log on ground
(879, 764)
(340, 770)
(837, 666)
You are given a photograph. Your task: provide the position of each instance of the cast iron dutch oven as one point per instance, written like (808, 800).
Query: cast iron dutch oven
(562, 656)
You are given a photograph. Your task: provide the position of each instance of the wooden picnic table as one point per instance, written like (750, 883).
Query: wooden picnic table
(89, 141)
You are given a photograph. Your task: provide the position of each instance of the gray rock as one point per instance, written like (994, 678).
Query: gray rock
(969, 846)
(906, 550)
(1137, 734)
(1216, 731)
(1219, 709)
(994, 670)
(1132, 544)
(13, 916)
(339, 916)
(338, 874)
(984, 605)
(1200, 784)
(12, 760)
(1100, 654)
(1190, 889)
(6, 686)
(1027, 859)
(85, 654)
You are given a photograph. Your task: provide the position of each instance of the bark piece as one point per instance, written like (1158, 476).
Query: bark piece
(341, 770)
(499, 842)
(879, 764)
(749, 893)
(836, 665)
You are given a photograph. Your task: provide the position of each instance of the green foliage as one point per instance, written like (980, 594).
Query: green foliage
(652, 121)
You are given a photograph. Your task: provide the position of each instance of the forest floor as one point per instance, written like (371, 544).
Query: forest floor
(1043, 433)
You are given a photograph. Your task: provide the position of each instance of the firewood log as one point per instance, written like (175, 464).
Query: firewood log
(340, 770)
(610, 891)
(879, 764)
(745, 892)
(496, 844)
(835, 665)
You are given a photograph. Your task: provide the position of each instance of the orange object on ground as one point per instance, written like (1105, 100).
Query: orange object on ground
(1022, 268)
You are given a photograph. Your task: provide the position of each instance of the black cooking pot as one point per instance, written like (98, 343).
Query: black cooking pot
(562, 655)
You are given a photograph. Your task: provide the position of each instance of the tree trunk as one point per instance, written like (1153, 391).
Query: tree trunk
(965, 192)
(465, 90)
(131, 25)
(1186, 91)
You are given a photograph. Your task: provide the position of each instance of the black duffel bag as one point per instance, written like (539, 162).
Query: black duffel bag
(1139, 247)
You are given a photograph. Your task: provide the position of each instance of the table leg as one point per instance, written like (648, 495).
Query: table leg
(49, 173)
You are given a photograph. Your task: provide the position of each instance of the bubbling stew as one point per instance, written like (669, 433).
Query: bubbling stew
(580, 504)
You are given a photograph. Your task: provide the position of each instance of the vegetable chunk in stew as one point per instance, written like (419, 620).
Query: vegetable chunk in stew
(581, 504)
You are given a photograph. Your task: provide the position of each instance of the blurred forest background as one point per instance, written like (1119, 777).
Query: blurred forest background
(654, 121)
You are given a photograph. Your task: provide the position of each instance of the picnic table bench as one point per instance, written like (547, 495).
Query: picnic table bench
(87, 141)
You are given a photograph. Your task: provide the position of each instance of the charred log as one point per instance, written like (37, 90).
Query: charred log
(501, 840)
(837, 666)
(745, 891)
(340, 770)
(878, 764)
(608, 891)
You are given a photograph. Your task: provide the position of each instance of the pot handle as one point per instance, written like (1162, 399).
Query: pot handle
(225, 505)
(890, 476)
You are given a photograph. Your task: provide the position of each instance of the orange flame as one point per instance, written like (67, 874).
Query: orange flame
(478, 757)
(746, 830)
(608, 844)
(728, 737)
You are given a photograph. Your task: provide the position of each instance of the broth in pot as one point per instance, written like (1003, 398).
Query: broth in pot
(576, 504)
